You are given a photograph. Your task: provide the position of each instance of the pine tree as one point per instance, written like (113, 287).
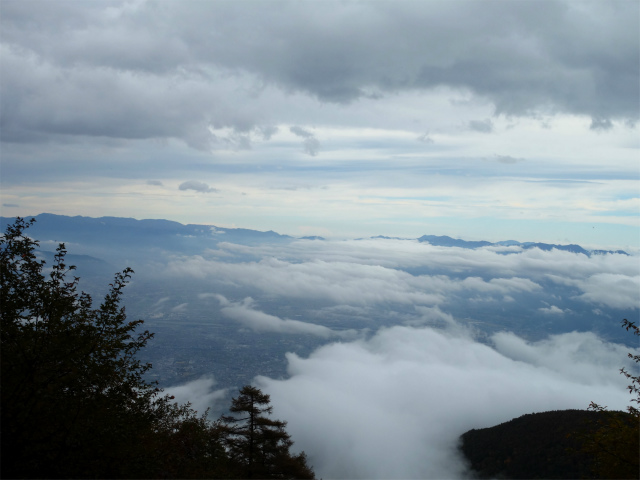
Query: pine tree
(257, 445)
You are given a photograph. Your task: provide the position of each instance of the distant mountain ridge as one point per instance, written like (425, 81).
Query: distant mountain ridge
(66, 228)
(168, 234)
(445, 241)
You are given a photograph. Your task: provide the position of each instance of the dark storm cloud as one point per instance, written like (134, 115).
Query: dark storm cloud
(168, 69)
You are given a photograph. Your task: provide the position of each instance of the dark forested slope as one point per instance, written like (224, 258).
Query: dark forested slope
(552, 444)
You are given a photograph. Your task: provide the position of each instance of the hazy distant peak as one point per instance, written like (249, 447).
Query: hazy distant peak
(157, 232)
(445, 241)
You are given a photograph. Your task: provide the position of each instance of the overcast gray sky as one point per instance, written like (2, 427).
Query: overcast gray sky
(489, 120)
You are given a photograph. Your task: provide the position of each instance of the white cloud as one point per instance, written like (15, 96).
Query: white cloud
(535, 263)
(612, 290)
(582, 358)
(201, 394)
(342, 283)
(160, 301)
(395, 405)
(500, 285)
(245, 314)
(552, 310)
(360, 273)
(180, 308)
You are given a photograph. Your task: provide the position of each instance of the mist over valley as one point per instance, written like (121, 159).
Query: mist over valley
(366, 340)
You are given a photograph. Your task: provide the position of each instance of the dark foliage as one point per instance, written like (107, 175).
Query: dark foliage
(539, 445)
(594, 443)
(615, 446)
(74, 400)
(259, 445)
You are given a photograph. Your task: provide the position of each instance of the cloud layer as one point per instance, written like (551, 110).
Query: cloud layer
(395, 405)
(517, 65)
(441, 340)
(245, 313)
(372, 273)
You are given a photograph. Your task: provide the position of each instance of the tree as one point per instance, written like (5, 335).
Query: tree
(258, 445)
(191, 448)
(615, 445)
(634, 387)
(74, 400)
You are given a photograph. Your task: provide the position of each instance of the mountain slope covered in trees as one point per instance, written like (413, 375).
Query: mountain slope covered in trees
(594, 443)
(555, 444)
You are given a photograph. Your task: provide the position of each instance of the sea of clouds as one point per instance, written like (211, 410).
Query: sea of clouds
(373, 283)
(395, 405)
(389, 399)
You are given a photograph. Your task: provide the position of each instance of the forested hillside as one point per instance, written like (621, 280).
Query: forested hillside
(75, 402)
(555, 444)
(594, 443)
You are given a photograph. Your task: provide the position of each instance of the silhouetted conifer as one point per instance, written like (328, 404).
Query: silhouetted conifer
(258, 445)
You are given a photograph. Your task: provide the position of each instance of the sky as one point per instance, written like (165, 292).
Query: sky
(484, 120)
